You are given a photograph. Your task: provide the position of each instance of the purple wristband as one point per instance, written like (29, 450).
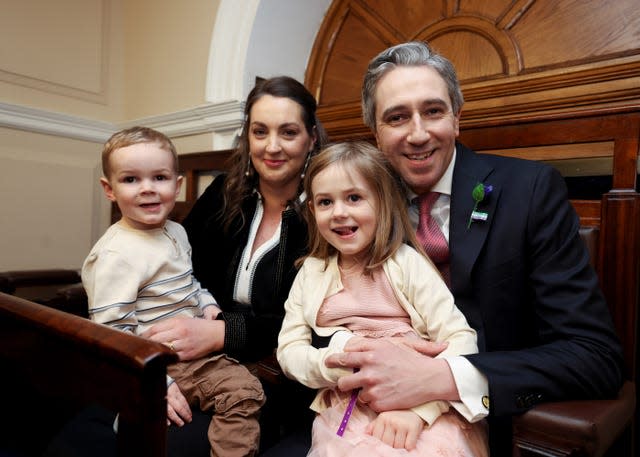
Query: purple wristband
(347, 413)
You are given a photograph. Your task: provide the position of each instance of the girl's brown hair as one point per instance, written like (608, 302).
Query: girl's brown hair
(394, 227)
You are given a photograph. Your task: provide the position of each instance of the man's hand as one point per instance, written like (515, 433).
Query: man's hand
(398, 429)
(178, 410)
(190, 338)
(395, 376)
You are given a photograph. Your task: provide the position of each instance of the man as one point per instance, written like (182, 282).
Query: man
(518, 268)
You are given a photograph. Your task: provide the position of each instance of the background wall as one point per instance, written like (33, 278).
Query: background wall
(72, 72)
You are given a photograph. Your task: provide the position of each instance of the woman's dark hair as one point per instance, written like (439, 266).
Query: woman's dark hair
(238, 184)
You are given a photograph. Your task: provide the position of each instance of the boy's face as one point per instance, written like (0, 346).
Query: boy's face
(144, 184)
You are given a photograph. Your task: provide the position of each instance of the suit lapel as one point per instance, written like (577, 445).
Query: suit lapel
(465, 242)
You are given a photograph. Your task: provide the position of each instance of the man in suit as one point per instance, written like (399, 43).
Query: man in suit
(518, 268)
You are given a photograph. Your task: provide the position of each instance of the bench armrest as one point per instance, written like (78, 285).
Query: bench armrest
(67, 356)
(574, 428)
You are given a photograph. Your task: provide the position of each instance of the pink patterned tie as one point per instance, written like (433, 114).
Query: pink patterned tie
(430, 235)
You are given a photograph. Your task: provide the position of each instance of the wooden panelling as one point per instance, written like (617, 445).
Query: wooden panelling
(514, 58)
(559, 152)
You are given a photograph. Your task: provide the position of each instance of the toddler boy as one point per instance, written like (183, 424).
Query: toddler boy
(140, 273)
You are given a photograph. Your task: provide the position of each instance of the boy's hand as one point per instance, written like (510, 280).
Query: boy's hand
(399, 429)
(178, 410)
(211, 312)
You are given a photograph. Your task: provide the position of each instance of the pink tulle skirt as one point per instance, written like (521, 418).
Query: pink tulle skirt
(449, 436)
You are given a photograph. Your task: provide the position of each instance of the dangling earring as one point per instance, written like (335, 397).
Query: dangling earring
(306, 164)
(248, 172)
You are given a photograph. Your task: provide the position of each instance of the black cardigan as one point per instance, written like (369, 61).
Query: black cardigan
(251, 331)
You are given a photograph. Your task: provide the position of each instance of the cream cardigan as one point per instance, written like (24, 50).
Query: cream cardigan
(419, 289)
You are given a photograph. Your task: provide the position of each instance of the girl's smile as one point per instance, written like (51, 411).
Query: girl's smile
(344, 208)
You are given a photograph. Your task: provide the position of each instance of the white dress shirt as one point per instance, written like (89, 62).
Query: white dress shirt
(472, 385)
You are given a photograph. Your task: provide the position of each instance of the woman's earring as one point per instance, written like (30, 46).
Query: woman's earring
(306, 164)
(248, 172)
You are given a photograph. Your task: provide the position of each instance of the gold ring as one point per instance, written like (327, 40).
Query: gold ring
(171, 346)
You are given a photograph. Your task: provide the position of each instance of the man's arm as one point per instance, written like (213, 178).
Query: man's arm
(567, 348)
(394, 376)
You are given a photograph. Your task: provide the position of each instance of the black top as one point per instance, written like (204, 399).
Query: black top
(251, 331)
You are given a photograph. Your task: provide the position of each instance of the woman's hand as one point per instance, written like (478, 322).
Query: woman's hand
(191, 338)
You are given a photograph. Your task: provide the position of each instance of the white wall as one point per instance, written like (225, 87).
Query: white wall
(51, 131)
(282, 38)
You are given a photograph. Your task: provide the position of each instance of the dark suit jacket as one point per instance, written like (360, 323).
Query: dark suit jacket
(523, 279)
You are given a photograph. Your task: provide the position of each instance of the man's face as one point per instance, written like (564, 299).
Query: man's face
(415, 125)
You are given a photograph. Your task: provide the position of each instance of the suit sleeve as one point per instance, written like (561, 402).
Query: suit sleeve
(573, 352)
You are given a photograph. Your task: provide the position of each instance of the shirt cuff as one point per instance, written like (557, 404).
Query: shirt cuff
(339, 340)
(473, 389)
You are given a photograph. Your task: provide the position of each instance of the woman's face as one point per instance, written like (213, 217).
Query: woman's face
(278, 142)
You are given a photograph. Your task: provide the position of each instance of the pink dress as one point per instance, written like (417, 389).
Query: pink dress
(367, 306)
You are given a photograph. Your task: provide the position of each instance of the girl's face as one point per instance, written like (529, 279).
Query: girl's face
(278, 142)
(144, 184)
(345, 208)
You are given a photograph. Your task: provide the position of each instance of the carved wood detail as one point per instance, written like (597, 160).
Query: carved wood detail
(514, 58)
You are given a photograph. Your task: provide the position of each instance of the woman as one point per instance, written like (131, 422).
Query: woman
(246, 232)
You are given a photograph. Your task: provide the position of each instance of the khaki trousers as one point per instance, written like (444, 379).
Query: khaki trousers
(225, 389)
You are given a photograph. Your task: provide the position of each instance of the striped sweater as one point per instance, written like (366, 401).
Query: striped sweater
(135, 278)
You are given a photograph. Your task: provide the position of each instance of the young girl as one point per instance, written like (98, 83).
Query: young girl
(361, 279)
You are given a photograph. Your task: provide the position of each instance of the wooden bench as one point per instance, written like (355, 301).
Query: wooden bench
(57, 355)
(610, 226)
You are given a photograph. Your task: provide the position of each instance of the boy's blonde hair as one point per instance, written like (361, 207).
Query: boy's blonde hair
(394, 227)
(136, 135)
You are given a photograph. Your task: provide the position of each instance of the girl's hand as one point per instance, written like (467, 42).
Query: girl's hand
(398, 429)
(178, 410)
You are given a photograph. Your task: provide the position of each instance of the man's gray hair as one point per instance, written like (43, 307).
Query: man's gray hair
(413, 53)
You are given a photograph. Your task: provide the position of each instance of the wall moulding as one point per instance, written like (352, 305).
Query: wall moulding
(53, 48)
(99, 96)
(218, 118)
